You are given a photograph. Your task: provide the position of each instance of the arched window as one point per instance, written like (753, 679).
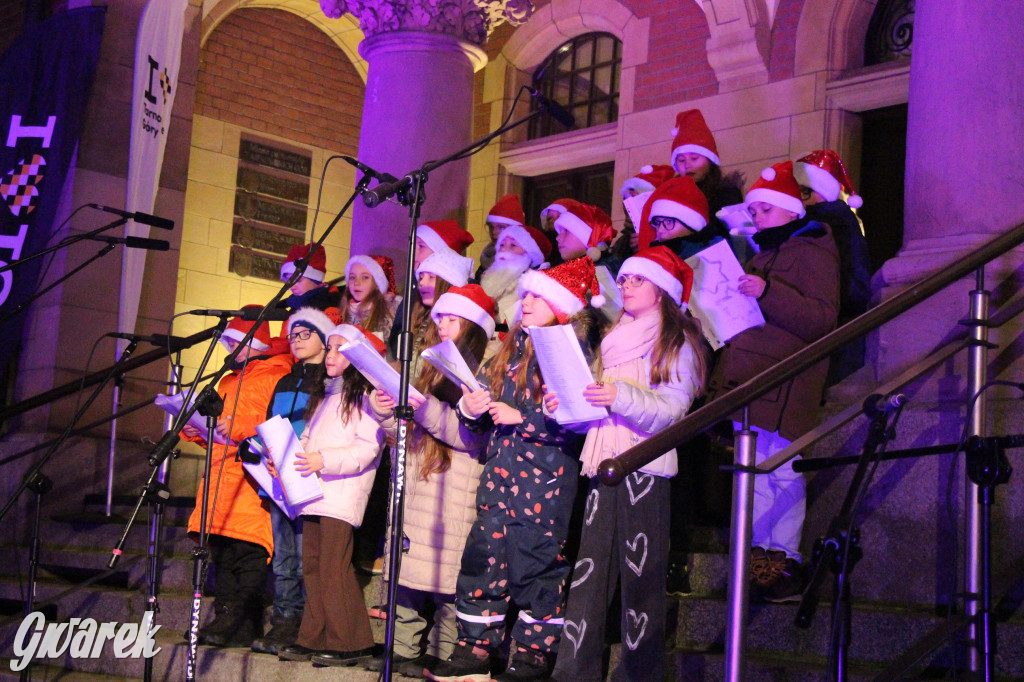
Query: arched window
(582, 75)
(890, 33)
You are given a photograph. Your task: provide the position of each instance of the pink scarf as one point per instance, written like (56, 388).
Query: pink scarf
(622, 355)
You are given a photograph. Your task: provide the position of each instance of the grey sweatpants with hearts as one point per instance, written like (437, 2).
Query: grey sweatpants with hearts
(625, 539)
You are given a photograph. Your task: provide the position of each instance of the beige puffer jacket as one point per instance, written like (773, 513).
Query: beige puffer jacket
(439, 511)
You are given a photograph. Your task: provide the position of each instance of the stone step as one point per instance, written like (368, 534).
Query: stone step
(44, 673)
(176, 566)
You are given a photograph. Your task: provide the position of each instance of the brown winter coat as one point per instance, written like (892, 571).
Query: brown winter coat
(800, 306)
(440, 509)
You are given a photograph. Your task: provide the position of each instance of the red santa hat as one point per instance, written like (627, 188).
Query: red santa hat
(470, 302)
(676, 198)
(778, 187)
(508, 211)
(649, 178)
(381, 268)
(449, 266)
(590, 225)
(440, 235)
(533, 241)
(692, 136)
(316, 269)
(564, 287)
(313, 319)
(825, 173)
(237, 329)
(665, 269)
(558, 207)
(354, 334)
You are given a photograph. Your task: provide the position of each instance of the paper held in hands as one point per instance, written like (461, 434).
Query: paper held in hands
(722, 310)
(172, 404)
(282, 445)
(634, 207)
(375, 368)
(270, 485)
(565, 372)
(446, 357)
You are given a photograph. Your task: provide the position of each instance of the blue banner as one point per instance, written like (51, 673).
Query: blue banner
(45, 79)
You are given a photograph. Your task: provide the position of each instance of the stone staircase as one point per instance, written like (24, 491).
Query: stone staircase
(900, 588)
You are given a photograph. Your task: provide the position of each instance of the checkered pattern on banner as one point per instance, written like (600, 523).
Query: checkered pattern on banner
(18, 186)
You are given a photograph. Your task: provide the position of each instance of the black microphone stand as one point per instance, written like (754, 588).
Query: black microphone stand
(840, 550)
(35, 470)
(67, 241)
(410, 193)
(39, 294)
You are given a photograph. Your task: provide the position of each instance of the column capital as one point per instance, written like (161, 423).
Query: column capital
(469, 20)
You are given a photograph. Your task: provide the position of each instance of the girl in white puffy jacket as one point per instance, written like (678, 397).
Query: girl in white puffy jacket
(443, 468)
(652, 368)
(342, 444)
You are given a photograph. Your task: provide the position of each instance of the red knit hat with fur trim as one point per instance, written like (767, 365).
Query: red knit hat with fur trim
(444, 234)
(692, 136)
(648, 179)
(590, 225)
(778, 187)
(508, 211)
(237, 329)
(665, 269)
(316, 269)
(470, 302)
(676, 198)
(825, 173)
(564, 286)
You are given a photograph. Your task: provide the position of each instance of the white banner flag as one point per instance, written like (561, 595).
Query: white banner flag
(157, 58)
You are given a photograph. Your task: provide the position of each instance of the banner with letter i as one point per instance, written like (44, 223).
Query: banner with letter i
(155, 83)
(45, 80)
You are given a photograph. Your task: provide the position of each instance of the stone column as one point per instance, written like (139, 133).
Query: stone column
(419, 102)
(964, 166)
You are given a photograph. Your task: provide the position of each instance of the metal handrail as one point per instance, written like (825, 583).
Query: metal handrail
(174, 345)
(612, 471)
(912, 373)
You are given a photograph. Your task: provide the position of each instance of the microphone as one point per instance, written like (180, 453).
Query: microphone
(366, 170)
(134, 242)
(138, 216)
(161, 340)
(553, 108)
(878, 404)
(385, 190)
(248, 314)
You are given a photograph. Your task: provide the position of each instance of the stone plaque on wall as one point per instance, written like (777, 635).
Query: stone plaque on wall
(274, 157)
(264, 237)
(259, 182)
(249, 263)
(266, 210)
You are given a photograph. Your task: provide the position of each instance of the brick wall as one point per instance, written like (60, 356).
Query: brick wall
(266, 70)
(787, 16)
(677, 67)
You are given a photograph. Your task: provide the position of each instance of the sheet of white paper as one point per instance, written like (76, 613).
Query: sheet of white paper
(279, 438)
(715, 300)
(565, 372)
(446, 357)
(375, 368)
(738, 220)
(635, 206)
(610, 290)
(270, 485)
(172, 404)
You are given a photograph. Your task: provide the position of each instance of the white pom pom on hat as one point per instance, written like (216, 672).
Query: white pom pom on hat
(768, 173)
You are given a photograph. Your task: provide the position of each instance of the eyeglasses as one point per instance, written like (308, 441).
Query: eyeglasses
(665, 221)
(301, 335)
(632, 280)
(805, 192)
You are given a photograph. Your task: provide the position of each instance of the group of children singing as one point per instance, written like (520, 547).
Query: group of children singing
(487, 589)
